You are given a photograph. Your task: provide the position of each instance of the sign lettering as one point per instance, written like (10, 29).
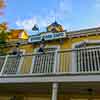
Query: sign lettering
(49, 36)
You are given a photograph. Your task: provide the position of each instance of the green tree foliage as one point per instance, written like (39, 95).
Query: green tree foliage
(3, 38)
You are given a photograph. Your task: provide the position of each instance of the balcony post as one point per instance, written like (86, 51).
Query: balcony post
(55, 63)
(20, 65)
(6, 58)
(73, 63)
(54, 91)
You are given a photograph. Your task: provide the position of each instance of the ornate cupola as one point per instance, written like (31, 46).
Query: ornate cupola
(55, 27)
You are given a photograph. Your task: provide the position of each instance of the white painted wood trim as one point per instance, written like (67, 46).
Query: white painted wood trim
(86, 41)
(4, 65)
(31, 69)
(73, 63)
(54, 91)
(35, 51)
(48, 46)
(51, 78)
(55, 62)
(21, 62)
(56, 58)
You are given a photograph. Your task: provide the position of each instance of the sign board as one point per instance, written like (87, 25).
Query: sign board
(48, 36)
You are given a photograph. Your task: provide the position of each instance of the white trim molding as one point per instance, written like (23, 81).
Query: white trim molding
(54, 91)
(21, 61)
(86, 41)
(74, 77)
(47, 46)
(5, 61)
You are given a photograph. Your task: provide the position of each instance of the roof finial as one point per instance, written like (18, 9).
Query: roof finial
(35, 28)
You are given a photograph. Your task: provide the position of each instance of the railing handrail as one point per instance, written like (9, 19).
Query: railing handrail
(33, 54)
(78, 49)
(82, 59)
(58, 51)
(2, 56)
(29, 54)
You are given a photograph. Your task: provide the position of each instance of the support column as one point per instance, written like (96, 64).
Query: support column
(54, 91)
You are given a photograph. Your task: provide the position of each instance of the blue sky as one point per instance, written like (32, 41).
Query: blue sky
(72, 14)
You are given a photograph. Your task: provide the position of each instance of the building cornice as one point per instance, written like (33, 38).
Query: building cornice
(84, 32)
(78, 33)
(69, 34)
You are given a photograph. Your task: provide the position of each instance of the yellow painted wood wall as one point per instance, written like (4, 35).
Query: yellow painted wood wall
(29, 48)
(66, 45)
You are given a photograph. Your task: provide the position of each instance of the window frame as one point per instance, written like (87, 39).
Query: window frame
(73, 67)
(35, 51)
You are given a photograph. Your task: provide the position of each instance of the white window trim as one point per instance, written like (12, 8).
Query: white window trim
(74, 65)
(85, 41)
(47, 46)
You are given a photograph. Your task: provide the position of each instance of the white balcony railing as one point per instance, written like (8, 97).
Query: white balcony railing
(43, 63)
(2, 59)
(11, 65)
(80, 59)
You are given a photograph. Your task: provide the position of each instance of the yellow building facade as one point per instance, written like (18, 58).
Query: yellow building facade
(69, 69)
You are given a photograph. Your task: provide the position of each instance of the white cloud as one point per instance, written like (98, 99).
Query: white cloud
(27, 24)
(62, 10)
(96, 6)
(97, 3)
